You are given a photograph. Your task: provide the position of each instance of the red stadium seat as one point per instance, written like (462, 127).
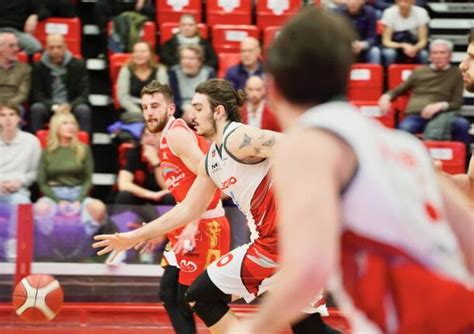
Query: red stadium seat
(269, 34)
(452, 154)
(22, 57)
(171, 10)
(148, 33)
(167, 30)
(227, 60)
(228, 12)
(117, 60)
(43, 137)
(366, 82)
(70, 28)
(227, 38)
(275, 13)
(397, 73)
(122, 154)
(371, 109)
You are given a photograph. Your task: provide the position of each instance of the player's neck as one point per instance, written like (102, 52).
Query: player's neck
(218, 136)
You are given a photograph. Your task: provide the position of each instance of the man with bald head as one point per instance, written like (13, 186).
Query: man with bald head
(60, 84)
(256, 112)
(250, 63)
(15, 77)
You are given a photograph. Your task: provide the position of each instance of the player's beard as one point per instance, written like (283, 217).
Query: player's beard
(157, 126)
(469, 86)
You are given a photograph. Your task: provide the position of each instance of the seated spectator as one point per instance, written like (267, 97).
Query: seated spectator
(364, 21)
(250, 63)
(381, 5)
(435, 89)
(15, 77)
(20, 17)
(139, 182)
(188, 34)
(256, 112)
(60, 85)
(20, 153)
(140, 71)
(105, 10)
(56, 8)
(185, 77)
(65, 177)
(405, 33)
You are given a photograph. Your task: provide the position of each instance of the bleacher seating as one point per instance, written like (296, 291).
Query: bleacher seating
(371, 109)
(397, 73)
(147, 34)
(228, 12)
(167, 30)
(366, 82)
(275, 13)
(451, 154)
(227, 60)
(70, 28)
(269, 34)
(122, 154)
(227, 38)
(43, 137)
(171, 10)
(117, 60)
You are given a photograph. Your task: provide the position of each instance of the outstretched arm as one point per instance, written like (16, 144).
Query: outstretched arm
(192, 208)
(248, 143)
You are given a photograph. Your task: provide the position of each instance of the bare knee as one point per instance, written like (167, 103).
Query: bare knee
(96, 210)
(43, 208)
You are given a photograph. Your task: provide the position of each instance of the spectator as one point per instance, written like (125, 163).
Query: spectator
(65, 176)
(60, 85)
(20, 152)
(105, 10)
(15, 77)
(256, 112)
(185, 77)
(250, 64)
(405, 33)
(20, 17)
(364, 20)
(435, 88)
(188, 34)
(56, 8)
(139, 182)
(381, 5)
(140, 71)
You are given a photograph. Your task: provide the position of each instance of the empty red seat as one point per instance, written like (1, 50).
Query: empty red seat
(371, 109)
(167, 30)
(171, 10)
(276, 12)
(365, 82)
(269, 34)
(228, 12)
(70, 28)
(43, 137)
(452, 154)
(122, 154)
(227, 38)
(227, 60)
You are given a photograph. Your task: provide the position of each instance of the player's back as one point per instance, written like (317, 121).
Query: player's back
(393, 198)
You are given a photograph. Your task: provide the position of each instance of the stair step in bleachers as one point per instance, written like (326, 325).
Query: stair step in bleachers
(451, 7)
(90, 29)
(96, 64)
(99, 100)
(103, 179)
(101, 139)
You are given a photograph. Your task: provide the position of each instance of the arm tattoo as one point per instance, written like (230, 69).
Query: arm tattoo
(270, 142)
(246, 141)
(257, 150)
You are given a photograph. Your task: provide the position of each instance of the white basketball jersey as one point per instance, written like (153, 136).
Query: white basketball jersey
(248, 185)
(393, 197)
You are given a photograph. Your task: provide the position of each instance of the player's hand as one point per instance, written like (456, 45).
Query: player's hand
(186, 241)
(114, 243)
(241, 327)
(149, 245)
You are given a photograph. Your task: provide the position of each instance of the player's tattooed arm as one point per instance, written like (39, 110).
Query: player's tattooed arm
(250, 144)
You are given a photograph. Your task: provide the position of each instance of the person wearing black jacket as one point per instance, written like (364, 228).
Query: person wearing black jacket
(188, 35)
(60, 84)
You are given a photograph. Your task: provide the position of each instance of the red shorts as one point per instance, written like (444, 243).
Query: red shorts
(212, 240)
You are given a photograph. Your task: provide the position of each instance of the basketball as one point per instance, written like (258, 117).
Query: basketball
(38, 298)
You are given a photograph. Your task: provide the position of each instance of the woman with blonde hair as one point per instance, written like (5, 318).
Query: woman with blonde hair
(141, 69)
(65, 176)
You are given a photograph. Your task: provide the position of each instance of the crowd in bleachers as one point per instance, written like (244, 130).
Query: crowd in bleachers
(197, 41)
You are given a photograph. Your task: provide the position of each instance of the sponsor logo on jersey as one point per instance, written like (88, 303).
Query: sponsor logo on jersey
(215, 167)
(187, 266)
(227, 183)
(173, 180)
(224, 260)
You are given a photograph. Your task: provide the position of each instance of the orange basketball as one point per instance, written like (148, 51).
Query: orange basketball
(38, 298)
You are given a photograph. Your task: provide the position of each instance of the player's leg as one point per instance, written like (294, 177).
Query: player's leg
(189, 324)
(314, 324)
(169, 296)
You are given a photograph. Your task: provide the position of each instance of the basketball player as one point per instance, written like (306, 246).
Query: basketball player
(180, 151)
(396, 241)
(237, 163)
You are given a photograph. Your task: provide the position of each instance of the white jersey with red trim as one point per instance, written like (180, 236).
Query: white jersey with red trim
(393, 198)
(248, 185)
